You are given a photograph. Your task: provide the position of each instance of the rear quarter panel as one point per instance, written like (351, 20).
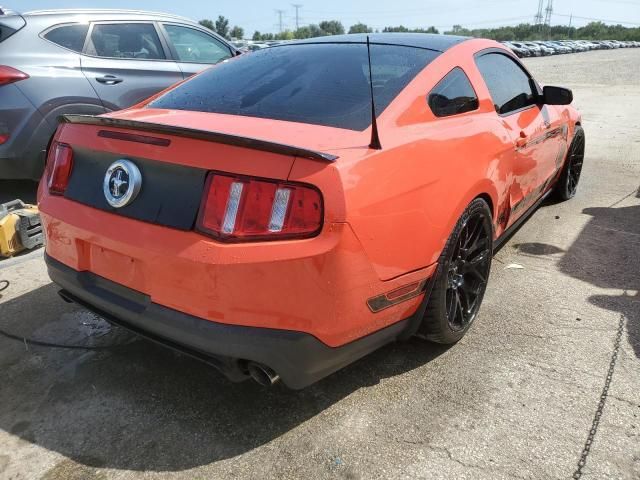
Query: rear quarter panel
(403, 201)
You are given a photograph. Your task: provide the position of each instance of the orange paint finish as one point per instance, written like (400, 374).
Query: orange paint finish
(318, 285)
(404, 200)
(387, 213)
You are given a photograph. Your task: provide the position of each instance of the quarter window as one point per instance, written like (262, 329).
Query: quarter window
(126, 40)
(452, 95)
(69, 36)
(194, 46)
(510, 87)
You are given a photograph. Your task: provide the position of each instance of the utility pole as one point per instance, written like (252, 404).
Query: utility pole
(280, 13)
(570, 19)
(297, 6)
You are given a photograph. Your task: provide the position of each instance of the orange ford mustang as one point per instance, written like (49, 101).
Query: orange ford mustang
(288, 211)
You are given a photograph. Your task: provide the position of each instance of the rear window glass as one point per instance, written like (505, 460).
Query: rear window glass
(322, 84)
(9, 26)
(69, 36)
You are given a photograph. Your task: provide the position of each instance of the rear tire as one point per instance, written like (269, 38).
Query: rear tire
(461, 276)
(567, 185)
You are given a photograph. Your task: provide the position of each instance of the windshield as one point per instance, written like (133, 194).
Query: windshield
(323, 84)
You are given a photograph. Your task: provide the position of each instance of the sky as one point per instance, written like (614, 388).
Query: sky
(263, 16)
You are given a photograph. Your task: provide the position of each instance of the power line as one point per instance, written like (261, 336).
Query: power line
(595, 19)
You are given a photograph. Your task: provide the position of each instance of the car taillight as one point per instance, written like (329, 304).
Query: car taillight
(239, 209)
(59, 166)
(10, 75)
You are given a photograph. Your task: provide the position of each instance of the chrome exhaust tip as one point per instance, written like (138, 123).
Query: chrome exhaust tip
(262, 374)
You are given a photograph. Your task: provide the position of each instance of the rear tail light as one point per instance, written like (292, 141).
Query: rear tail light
(59, 166)
(237, 209)
(10, 75)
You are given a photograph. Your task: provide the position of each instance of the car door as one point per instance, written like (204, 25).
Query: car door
(515, 96)
(127, 63)
(195, 49)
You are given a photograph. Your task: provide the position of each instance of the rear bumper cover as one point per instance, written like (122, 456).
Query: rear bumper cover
(299, 358)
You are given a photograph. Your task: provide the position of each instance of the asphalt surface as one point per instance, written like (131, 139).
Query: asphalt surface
(516, 398)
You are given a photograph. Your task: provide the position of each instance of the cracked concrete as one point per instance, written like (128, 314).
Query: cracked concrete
(514, 399)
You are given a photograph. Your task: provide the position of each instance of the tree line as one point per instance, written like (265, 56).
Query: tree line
(527, 31)
(524, 31)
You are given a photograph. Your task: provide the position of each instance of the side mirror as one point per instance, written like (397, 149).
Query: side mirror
(556, 96)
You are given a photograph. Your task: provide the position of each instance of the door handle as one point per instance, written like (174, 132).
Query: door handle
(522, 141)
(109, 79)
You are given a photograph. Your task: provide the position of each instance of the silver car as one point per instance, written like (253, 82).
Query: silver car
(87, 62)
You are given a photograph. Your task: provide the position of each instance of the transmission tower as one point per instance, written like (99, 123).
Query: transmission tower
(280, 13)
(297, 6)
(548, 12)
(538, 18)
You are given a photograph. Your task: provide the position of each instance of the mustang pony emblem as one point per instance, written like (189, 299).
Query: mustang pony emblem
(117, 182)
(122, 183)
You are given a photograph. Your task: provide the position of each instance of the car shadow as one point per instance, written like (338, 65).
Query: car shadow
(606, 254)
(129, 404)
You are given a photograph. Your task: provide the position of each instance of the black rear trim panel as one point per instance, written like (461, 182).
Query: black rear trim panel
(170, 195)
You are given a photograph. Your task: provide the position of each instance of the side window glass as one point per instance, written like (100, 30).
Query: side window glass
(452, 95)
(509, 85)
(69, 36)
(126, 40)
(194, 46)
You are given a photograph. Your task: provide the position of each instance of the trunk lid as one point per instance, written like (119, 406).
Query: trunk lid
(174, 155)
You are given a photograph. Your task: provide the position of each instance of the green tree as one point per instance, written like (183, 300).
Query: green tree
(332, 27)
(237, 32)
(309, 31)
(400, 28)
(207, 24)
(222, 26)
(257, 36)
(286, 35)
(360, 28)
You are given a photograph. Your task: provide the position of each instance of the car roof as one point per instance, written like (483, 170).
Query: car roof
(430, 41)
(111, 14)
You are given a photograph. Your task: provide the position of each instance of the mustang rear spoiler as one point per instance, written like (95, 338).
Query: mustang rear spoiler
(218, 137)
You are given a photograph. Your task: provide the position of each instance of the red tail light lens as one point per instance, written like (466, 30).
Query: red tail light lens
(59, 166)
(237, 209)
(10, 75)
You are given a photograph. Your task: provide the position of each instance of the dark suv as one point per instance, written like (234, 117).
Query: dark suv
(88, 62)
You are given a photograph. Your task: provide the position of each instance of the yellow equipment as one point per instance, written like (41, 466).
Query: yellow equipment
(20, 228)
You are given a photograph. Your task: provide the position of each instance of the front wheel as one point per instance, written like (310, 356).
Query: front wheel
(461, 277)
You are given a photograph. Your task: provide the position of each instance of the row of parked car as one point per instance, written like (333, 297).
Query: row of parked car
(555, 47)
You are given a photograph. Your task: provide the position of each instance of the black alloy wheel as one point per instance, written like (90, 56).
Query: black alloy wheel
(468, 271)
(461, 277)
(568, 182)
